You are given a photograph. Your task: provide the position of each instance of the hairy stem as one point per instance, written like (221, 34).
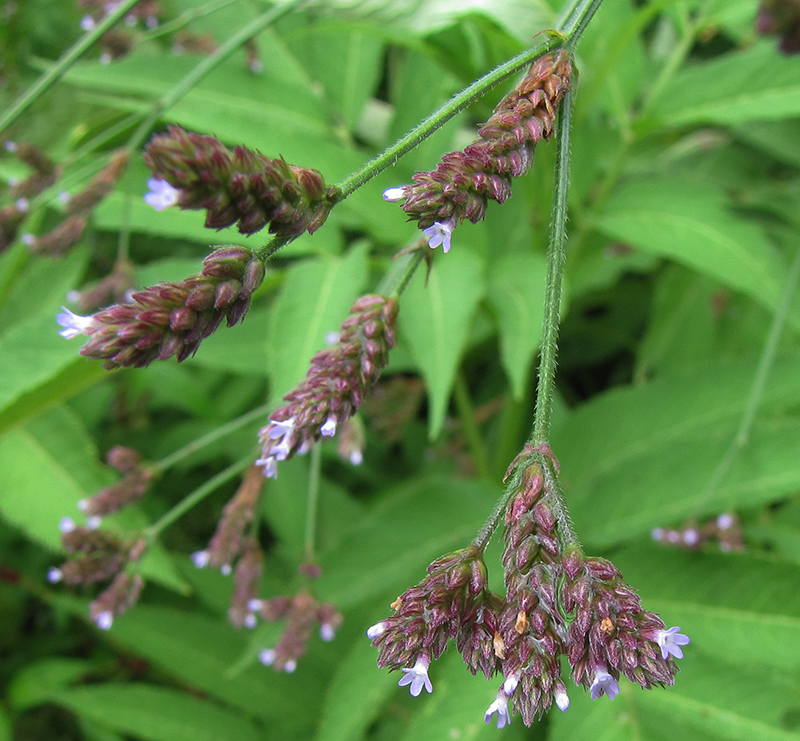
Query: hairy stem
(556, 257)
(312, 504)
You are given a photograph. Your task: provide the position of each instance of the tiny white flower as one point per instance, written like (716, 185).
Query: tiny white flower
(161, 194)
(105, 58)
(376, 630)
(290, 666)
(54, 575)
(393, 195)
(130, 19)
(22, 205)
(27, 238)
(725, 521)
(417, 677)
(439, 234)
(87, 23)
(226, 569)
(104, 620)
(670, 642)
(267, 656)
(256, 66)
(74, 324)
(356, 458)
(329, 428)
(499, 706)
(511, 684)
(250, 620)
(657, 533)
(326, 632)
(63, 197)
(691, 537)
(270, 466)
(10, 146)
(151, 22)
(279, 428)
(66, 525)
(94, 522)
(83, 504)
(604, 683)
(255, 605)
(562, 699)
(331, 338)
(200, 559)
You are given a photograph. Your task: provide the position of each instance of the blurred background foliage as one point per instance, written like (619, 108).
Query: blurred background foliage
(684, 222)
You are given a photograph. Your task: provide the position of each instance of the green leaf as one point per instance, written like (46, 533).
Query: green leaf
(200, 650)
(157, 713)
(36, 682)
(436, 319)
(355, 695)
(637, 457)
(516, 292)
(46, 467)
(758, 84)
(314, 300)
(412, 525)
(690, 223)
(347, 64)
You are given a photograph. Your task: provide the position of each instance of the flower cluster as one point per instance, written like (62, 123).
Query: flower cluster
(117, 42)
(95, 555)
(66, 234)
(228, 540)
(240, 187)
(558, 603)
(464, 181)
(726, 530)
(136, 480)
(452, 602)
(781, 18)
(170, 318)
(301, 612)
(335, 385)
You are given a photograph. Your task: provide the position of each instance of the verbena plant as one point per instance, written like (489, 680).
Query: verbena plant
(368, 424)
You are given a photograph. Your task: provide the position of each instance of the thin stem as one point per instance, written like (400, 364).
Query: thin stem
(493, 521)
(197, 496)
(577, 20)
(756, 394)
(208, 64)
(556, 256)
(59, 68)
(472, 432)
(396, 280)
(555, 499)
(211, 437)
(312, 504)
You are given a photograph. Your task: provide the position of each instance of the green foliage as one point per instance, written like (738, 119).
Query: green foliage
(683, 225)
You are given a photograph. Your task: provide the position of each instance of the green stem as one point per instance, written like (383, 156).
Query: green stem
(572, 28)
(756, 394)
(211, 437)
(312, 505)
(493, 521)
(208, 64)
(59, 68)
(469, 424)
(395, 282)
(556, 256)
(197, 496)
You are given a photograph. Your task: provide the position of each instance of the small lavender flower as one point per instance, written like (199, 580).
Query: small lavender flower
(670, 642)
(499, 707)
(394, 195)
(439, 234)
(417, 676)
(604, 683)
(161, 194)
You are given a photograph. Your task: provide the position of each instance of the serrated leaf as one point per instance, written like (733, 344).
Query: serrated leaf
(690, 223)
(157, 713)
(516, 291)
(758, 84)
(638, 457)
(436, 319)
(314, 300)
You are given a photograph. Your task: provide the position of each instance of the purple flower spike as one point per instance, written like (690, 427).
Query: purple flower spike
(604, 683)
(439, 234)
(417, 677)
(670, 642)
(161, 195)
